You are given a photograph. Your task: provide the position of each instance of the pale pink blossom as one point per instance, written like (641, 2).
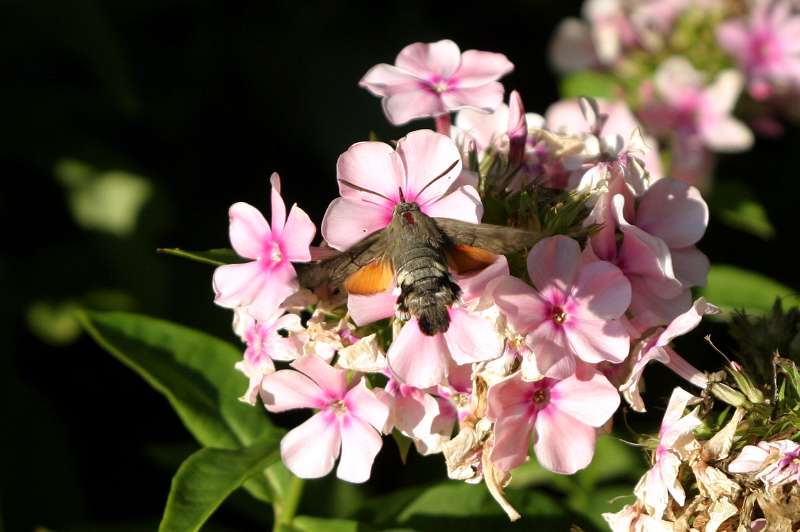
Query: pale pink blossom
(691, 109)
(261, 285)
(562, 417)
(572, 48)
(766, 46)
(657, 252)
(502, 131)
(676, 441)
(571, 312)
(350, 419)
(426, 419)
(372, 176)
(656, 348)
(431, 79)
(621, 149)
(278, 338)
(775, 462)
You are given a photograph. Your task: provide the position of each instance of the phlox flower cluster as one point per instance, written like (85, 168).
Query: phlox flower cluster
(540, 344)
(686, 64)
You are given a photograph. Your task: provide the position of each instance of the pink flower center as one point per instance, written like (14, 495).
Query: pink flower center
(339, 408)
(558, 315)
(764, 49)
(438, 84)
(272, 253)
(541, 397)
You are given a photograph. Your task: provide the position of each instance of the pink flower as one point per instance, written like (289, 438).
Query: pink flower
(501, 131)
(776, 462)
(634, 518)
(766, 46)
(572, 311)
(694, 110)
(372, 177)
(657, 252)
(421, 416)
(349, 418)
(676, 438)
(431, 79)
(615, 127)
(656, 348)
(262, 284)
(272, 339)
(562, 415)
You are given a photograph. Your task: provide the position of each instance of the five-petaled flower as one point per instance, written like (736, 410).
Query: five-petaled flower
(431, 79)
(349, 419)
(261, 285)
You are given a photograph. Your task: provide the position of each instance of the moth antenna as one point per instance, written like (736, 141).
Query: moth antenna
(362, 189)
(438, 177)
(402, 196)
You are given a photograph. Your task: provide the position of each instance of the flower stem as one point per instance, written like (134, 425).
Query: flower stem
(285, 509)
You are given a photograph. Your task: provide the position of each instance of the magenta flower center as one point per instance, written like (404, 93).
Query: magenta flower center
(272, 253)
(559, 316)
(438, 84)
(541, 397)
(339, 407)
(764, 49)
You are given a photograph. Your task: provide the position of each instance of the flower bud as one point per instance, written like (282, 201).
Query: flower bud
(754, 395)
(725, 393)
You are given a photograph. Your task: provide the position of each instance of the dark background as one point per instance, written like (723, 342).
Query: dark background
(205, 99)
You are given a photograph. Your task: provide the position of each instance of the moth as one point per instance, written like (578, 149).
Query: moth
(418, 252)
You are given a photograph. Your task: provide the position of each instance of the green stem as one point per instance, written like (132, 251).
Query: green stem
(285, 509)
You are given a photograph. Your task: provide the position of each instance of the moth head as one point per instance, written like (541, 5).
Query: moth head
(406, 211)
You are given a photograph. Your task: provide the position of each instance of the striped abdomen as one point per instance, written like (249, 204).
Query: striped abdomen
(426, 290)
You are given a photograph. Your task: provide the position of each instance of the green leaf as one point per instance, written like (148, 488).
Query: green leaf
(193, 370)
(304, 523)
(613, 460)
(734, 204)
(214, 257)
(592, 504)
(464, 507)
(208, 477)
(588, 83)
(732, 288)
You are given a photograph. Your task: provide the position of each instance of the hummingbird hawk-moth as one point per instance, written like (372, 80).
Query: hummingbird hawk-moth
(417, 251)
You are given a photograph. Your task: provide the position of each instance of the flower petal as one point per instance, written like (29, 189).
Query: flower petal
(750, 460)
(690, 265)
(360, 445)
(348, 220)
(674, 212)
(287, 389)
(367, 309)
(236, 285)
(248, 230)
(554, 261)
(591, 401)
(687, 321)
(278, 213)
(553, 357)
(426, 155)
(385, 80)
(512, 439)
(403, 107)
(485, 97)
(274, 286)
(470, 338)
(594, 340)
(563, 444)
(310, 450)
(417, 359)
(429, 59)
(372, 166)
(479, 68)
(603, 290)
(522, 305)
(331, 380)
(297, 235)
(363, 404)
(464, 203)
(727, 134)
